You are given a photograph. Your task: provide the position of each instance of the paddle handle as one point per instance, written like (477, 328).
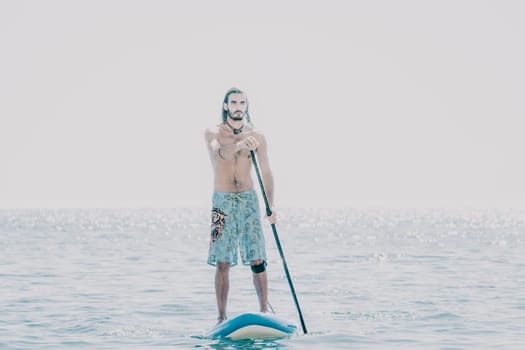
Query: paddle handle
(277, 241)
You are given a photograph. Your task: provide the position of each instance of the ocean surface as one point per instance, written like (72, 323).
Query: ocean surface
(365, 279)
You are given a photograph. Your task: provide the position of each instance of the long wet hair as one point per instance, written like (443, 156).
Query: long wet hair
(233, 90)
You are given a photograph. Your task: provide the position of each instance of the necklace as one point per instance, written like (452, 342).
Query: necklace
(235, 131)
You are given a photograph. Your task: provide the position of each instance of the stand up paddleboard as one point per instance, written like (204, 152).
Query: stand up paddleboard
(253, 326)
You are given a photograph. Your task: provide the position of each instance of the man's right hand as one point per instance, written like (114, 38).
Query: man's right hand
(250, 143)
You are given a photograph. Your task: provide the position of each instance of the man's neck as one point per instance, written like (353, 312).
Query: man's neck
(236, 124)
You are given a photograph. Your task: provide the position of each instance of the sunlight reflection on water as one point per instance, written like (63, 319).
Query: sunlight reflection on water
(368, 278)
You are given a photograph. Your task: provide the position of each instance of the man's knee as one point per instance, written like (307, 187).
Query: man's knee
(258, 266)
(223, 267)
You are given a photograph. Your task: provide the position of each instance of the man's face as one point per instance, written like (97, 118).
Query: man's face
(236, 106)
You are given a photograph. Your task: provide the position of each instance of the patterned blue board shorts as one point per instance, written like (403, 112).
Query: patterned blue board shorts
(235, 226)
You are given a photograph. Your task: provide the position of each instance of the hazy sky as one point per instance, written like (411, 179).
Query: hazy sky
(364, 103)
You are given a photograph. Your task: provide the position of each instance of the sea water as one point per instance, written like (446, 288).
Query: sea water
(364, 278)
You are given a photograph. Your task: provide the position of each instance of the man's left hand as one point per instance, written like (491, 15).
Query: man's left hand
(272, 218)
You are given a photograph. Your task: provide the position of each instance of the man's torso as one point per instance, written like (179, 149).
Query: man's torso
(233, 175)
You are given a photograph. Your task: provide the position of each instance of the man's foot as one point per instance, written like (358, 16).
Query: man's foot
(221, 320)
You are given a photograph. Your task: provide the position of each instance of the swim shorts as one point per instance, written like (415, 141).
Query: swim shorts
(236, 226)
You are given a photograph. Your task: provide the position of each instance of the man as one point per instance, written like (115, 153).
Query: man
(236, 223)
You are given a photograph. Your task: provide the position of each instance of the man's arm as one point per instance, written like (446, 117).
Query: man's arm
(215, 149)
(266, 172)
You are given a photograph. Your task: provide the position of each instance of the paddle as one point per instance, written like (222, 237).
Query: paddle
(276, 236)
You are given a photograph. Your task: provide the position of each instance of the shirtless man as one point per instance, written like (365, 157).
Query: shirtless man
(236, 223)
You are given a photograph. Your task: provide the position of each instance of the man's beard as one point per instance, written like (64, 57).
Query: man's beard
(237, 119)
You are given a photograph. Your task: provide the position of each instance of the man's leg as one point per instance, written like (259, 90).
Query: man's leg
(222, 286)
(260, 282)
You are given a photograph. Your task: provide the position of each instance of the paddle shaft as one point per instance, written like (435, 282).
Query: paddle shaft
(277, 241)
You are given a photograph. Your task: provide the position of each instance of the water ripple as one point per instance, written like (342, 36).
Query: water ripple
(137, 279)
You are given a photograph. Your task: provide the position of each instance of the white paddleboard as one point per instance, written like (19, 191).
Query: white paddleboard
(253, 326)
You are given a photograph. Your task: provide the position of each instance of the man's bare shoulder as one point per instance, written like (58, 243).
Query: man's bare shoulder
(212, 131)
(256, 132)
